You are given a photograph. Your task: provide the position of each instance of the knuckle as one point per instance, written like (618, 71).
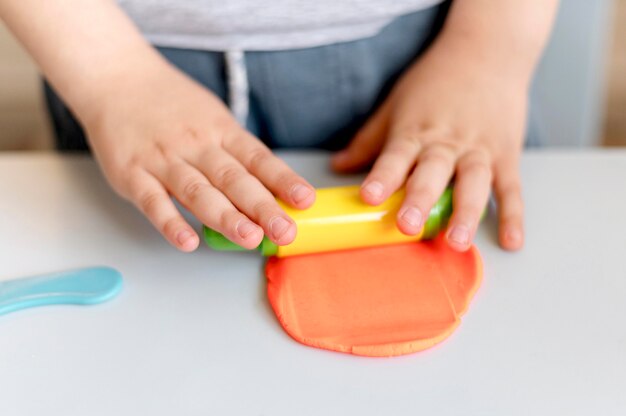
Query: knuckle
(226, 219)
(402, 147)
(470, 210)
(170, 226)
(129, 184)
(481, 154)
(408, 131)
(193, 189)
(395, 153)
(148, 203)
(476, 167)
(190, 134)
(513, 218)
(476, 155)
(286, 179)
(161, 150)
(426, 194)
(134, 161)
(264, 208)
(119, 164)
(511, 204)
(445, 146)
(510, 189)
(439, 155)
(258, 157)
(384, 174)
(226, 176)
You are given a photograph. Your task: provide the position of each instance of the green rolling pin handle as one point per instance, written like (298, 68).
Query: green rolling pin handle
(439, 215)
(218, 242)
(437, 221)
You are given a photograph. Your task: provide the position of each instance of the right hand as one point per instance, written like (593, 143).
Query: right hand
(156, 133)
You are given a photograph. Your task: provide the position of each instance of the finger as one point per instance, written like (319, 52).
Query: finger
(507, 187)
(247, 194)
(471, 193)
(435, 166)
(390, 169)
(210, 206)
(149, 196)
(271, 171)
(366, 145)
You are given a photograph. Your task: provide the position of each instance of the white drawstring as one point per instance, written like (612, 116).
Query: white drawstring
(237, 81)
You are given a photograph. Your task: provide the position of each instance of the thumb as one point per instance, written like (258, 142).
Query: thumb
(365, 145)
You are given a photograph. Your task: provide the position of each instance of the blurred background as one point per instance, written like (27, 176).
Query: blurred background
(579, 90)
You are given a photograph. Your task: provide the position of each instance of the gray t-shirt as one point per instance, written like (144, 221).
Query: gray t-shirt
(249, 25)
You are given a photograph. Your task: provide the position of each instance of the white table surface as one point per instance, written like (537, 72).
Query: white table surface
(193, 334)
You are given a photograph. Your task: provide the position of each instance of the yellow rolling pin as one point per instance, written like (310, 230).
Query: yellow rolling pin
(340, 220)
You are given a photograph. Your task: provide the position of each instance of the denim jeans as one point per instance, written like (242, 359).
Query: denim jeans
(304, 98)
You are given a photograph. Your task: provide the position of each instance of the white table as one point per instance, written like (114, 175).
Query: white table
(193, 334)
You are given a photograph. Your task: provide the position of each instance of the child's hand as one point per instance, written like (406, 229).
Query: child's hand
(157, 133)
(452, 113)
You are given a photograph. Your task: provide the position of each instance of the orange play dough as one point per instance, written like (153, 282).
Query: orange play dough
(381, 301)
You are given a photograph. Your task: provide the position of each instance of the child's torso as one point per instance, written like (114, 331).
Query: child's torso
(263, 25)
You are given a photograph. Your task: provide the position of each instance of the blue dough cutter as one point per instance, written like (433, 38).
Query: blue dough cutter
(79, 287)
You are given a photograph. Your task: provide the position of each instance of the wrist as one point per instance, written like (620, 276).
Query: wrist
(493, 57)
(507, 35)
(119, 79)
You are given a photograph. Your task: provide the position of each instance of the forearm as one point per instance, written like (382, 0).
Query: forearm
(510, 34)
(82, 46)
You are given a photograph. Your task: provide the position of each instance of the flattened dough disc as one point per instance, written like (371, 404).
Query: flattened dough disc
(382, 301)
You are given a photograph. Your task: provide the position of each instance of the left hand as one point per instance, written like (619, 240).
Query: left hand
(452, 113)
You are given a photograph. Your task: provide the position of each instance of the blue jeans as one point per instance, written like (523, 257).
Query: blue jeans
(305, 98)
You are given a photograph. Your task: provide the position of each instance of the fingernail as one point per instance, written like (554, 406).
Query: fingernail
(245, 228)
(513, 235)
(278, 227)
(412, 216)
(460, 235)
(375, 189)
(183, 237)
(299, 193)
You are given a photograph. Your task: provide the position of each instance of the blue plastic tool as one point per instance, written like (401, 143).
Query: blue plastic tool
(80, 287)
